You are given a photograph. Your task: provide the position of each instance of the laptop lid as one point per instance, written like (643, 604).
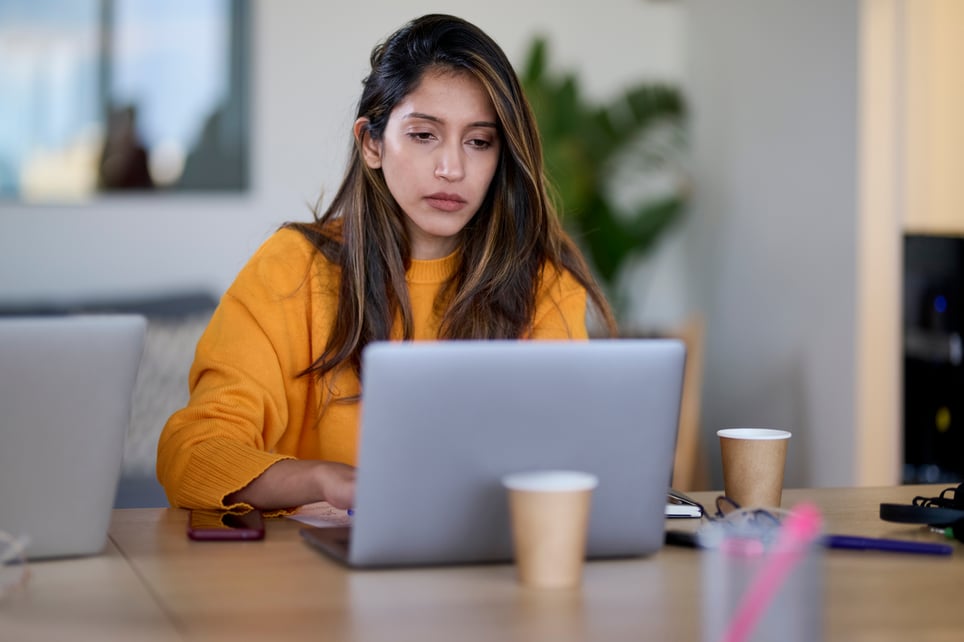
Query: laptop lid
(65, 404)
(442, 422)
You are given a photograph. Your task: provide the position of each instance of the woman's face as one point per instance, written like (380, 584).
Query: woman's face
(438, 154)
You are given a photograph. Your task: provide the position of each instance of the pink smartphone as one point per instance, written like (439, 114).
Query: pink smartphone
(219, 525)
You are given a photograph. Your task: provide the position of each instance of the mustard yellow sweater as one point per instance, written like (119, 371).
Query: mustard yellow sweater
(248, 407)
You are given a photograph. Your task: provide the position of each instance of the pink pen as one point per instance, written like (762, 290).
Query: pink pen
(798, 533)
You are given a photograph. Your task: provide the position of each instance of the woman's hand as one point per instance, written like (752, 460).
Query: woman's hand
(338, 483)
(294, 482)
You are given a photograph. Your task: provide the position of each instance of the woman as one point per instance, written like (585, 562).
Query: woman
(441, 229)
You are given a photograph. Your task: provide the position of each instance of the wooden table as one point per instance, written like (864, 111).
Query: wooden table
(91, 598)
(152, 583)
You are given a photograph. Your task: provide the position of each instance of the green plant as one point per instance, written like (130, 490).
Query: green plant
(634, 137)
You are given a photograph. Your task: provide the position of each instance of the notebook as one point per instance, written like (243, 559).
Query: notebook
(442, 422)
(65, 404)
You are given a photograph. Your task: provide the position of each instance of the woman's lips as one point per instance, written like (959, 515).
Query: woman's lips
(446, 202)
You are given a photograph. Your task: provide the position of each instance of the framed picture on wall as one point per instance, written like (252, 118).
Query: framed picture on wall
(122, 96)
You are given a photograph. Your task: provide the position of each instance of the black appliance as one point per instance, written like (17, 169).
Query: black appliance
(933, 326)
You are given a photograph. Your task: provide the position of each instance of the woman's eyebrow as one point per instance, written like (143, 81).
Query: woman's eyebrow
(436, 119)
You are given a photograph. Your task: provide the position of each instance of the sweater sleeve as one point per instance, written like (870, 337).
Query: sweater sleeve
(560, 307)
(239, 383)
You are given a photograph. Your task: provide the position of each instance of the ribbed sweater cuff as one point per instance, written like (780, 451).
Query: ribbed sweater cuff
(220, 466)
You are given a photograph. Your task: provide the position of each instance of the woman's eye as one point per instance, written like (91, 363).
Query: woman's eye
(479, 143)
(420, 137)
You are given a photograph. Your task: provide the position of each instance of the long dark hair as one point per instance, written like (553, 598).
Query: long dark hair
(504, 248)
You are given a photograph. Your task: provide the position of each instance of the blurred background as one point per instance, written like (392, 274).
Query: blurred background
(788, 174)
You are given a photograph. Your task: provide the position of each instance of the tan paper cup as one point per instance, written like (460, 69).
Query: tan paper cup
(549, 511)
(753, 463)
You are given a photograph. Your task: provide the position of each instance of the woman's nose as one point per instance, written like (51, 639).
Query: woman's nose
(449, 163)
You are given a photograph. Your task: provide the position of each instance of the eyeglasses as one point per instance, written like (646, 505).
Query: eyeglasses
(729, 517)
(14, 571)
(729, 511)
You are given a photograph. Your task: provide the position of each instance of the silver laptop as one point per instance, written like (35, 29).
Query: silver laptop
(442, 422)
(65, 406)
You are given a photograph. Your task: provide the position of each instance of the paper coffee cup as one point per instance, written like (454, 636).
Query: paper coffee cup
(753, 464)
(549, 512)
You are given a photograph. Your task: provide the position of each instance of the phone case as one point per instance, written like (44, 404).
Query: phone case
(214, 525)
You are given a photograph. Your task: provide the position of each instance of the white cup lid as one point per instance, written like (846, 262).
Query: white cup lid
(753, 433)
(550, 480)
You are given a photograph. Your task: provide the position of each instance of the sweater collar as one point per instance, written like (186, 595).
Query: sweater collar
(432, 270)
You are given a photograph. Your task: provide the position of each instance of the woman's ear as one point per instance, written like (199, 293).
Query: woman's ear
(371, 149)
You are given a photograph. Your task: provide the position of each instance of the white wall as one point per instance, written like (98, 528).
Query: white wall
(771, 238)
(309, 59)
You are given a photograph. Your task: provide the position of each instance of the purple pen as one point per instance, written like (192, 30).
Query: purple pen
(852, 542)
